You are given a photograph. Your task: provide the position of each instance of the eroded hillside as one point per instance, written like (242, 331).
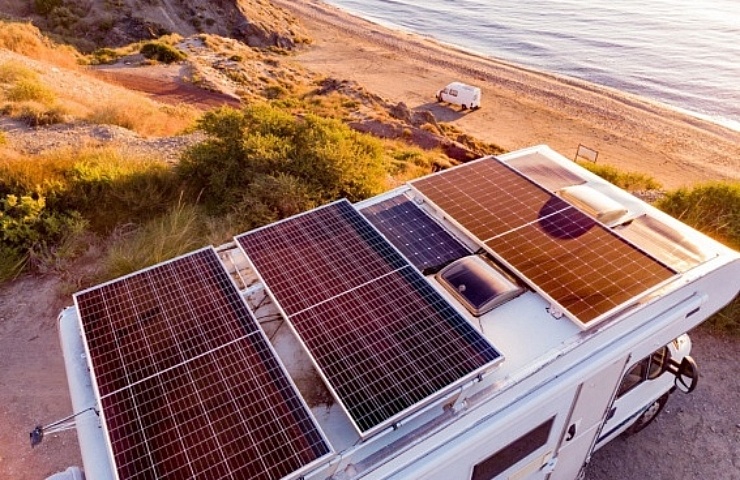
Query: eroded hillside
(91, 24)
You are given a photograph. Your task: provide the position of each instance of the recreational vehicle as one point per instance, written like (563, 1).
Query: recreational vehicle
(461, 94)
(503, 318)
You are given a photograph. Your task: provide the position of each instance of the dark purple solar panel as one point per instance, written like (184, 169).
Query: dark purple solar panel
(188, 384)
(576, 262)
(383, 338)
(419, 238)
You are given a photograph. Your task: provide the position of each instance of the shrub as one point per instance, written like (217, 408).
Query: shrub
(103, 56)
(12, 71)
(26, 89)
(44, 7)
(27, 40)
(12, 262)
(631, 181)
(713, 208)
(142, 116)
(26, 223)
(327, 158)
(37, 115)
(161, 52)
(105, 187)
(273, 92)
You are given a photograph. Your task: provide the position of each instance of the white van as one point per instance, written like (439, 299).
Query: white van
(461, 94)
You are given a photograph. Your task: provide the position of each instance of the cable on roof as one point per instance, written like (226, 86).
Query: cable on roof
(66, 423)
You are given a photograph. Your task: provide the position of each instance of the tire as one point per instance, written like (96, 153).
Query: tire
(649, 415)
(464, 107)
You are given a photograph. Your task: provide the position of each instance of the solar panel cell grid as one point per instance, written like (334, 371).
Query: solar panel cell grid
(484, 197)
(419, 238)
(192, 388)
(306, 258)
(383, 338)
(576, 262)
(392, 354)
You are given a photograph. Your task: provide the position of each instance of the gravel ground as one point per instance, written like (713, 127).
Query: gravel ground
(696, 437)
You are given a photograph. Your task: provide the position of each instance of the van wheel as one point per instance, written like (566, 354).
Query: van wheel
(649, 415)
(464, 107)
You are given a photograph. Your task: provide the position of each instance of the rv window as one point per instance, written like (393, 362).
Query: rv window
(513, 453)
(648, 368)
(453, 93)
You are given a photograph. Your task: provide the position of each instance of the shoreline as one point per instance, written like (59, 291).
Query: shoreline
(522, 106)
(715, 119)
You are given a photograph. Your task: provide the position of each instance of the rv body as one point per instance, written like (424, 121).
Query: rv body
(457, 93)
(561, 391)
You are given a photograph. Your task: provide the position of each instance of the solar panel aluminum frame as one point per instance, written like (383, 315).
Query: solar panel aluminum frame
(297, 474)
(410, 412)
(405, 192)
(556, 309)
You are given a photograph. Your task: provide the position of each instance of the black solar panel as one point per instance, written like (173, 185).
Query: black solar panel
(188, 384)
(576, 262)
(383, 338)
(419, 238)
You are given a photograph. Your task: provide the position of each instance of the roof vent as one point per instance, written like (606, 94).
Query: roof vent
(478, 284)
(603, 208)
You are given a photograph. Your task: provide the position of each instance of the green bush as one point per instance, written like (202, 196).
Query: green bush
(26, 223)
(324, 157)
(161, 52)
(36, 115)
(102, 56)
(27, 89)
(102, 185)
(713, 208)
(631, 181)
(44, 7)
(13, 71)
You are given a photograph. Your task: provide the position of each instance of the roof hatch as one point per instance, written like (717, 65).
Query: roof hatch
(478, 284)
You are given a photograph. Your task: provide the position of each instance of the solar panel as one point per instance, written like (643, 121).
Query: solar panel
(383, 339)
(417, 236)
(578, 264)
(188, 384)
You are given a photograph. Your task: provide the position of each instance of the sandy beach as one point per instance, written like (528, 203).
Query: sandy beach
(521, 107)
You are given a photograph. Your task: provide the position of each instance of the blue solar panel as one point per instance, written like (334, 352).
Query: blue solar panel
(418, 237)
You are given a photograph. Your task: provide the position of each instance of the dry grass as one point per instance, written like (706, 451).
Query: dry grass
(144, 117)
(25, 39)
(12, 71)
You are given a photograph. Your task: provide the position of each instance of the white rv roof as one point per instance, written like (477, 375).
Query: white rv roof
(365, 274)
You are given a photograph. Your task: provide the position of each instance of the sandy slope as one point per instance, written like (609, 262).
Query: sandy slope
(521, 107)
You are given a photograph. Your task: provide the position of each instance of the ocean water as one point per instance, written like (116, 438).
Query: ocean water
(682, 53)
